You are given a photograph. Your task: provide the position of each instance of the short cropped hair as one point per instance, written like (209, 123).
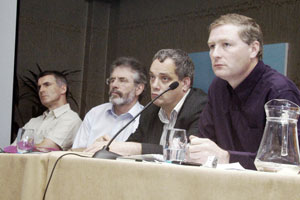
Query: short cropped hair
(183, 63)
(140, 76)
(60, 78)
(250, 30)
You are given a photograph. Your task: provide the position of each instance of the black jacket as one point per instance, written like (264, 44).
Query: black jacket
(150, 127)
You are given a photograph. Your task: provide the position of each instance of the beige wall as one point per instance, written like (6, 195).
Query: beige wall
(89, 35)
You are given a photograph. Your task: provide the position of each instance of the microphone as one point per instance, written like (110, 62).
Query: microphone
(104, 152)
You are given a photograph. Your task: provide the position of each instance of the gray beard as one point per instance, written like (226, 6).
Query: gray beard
(119, 101)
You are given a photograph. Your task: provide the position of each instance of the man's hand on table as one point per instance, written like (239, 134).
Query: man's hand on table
(201, 148)
(47, 144)
(98, 144)
(103, 138)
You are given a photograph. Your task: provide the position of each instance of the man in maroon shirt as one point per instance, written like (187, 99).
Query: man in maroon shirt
(232, 123)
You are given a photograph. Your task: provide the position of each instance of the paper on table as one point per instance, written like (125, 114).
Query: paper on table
(231, 166)
(144, 157)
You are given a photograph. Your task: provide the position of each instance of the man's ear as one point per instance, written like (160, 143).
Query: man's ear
(254, 48)
(63, 89)
(186, 81)
(139, 89)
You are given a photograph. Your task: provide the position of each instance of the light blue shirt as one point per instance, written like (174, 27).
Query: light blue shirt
(102, 120)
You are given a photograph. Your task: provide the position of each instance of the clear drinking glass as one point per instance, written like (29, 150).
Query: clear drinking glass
(175, 145)
(25, 142)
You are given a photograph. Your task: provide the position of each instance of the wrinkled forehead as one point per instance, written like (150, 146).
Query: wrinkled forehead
(123, 72)
(167, 66)
(47, 78)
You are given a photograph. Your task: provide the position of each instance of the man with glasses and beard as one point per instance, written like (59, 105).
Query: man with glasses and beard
(126, 85)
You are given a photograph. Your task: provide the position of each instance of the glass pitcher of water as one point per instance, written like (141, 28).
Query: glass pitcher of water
(279, 148)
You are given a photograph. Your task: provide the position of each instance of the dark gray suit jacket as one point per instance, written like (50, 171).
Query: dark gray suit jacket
(150, 127)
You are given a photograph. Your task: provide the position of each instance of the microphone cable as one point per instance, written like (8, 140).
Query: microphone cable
(60, 157)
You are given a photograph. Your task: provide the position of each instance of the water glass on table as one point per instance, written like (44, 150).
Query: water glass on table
(175, 145)
(25, 141)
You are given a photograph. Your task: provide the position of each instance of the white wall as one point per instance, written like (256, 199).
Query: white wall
(8, 11)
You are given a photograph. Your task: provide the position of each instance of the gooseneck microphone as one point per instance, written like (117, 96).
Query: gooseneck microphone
(104, 152)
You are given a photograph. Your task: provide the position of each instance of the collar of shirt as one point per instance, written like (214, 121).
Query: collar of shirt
(173, 117)
(244, 89)
(131, 113)
(58, 111)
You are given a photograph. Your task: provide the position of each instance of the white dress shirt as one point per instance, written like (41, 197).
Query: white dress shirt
(170, 123)
(102, 120)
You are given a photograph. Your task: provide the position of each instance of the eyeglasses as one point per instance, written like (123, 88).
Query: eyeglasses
(121, 80)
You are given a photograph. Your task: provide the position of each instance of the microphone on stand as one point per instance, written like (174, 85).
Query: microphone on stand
(104, 152)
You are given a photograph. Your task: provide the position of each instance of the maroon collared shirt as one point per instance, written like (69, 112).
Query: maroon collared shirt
(235, 118)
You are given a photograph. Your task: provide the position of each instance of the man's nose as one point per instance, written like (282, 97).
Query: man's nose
(215, 53)
(41, 89)
(115, 84)
(155, 84)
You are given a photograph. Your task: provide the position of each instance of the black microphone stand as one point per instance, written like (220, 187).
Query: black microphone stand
(104, 152)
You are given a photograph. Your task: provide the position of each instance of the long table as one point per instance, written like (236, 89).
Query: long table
(25, 177)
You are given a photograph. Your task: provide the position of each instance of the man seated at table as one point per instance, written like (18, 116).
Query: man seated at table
(126, 85)
(56, 127)
(179, 108)
(232, 123)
